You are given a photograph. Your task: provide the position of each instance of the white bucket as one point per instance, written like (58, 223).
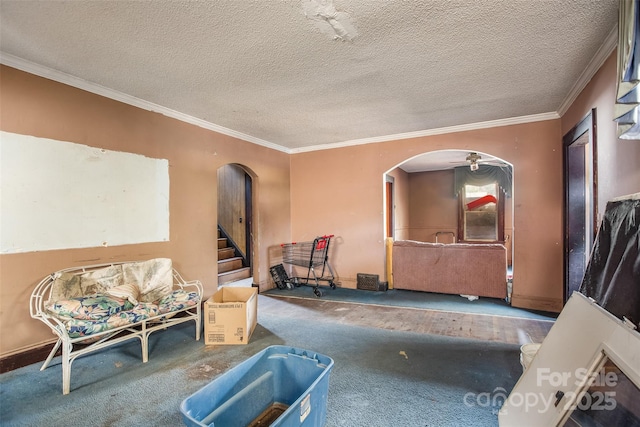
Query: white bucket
(527, 352)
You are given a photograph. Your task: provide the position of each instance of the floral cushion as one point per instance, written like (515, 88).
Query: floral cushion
(154, 278)
(68, 284)
(98, 281)
(81, 328)
(65, 285)
(92, 307)
(178, 300)
(78, 327)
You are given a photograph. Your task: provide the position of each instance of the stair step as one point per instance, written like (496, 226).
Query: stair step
(226, 253)
(222, 242)
(229, 264)
(232, 276)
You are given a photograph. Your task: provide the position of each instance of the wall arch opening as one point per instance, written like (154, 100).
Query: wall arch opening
(236, 222)
(421, 202)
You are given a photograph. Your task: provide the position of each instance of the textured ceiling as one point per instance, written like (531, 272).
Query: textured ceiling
(300, 74)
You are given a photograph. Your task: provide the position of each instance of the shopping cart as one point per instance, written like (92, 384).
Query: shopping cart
(310, 255)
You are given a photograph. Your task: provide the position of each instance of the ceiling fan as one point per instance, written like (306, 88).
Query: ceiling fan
(473, 159)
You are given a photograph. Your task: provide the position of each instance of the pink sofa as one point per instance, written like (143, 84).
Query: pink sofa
(458, 268)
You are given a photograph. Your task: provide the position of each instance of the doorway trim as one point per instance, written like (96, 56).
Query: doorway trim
(389, 195)
(573, 150)
(249, 216)
(404, 227)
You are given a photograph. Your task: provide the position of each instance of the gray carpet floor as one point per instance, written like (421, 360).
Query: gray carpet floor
(380, 378)
(415, 299)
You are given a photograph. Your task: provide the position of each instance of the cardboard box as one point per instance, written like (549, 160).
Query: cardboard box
(230, 316)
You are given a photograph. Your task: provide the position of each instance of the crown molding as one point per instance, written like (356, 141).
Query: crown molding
(70, 80)
(594, 65)
(608, 46)
(430, 132)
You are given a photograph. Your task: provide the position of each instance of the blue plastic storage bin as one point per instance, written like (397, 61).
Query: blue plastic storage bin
(279, 386)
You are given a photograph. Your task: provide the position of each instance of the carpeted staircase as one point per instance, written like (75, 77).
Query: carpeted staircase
(231, 266)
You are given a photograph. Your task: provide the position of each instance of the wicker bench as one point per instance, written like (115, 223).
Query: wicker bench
(94, 307)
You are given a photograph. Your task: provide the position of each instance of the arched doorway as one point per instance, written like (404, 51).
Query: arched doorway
(424, 204)
(235, 224)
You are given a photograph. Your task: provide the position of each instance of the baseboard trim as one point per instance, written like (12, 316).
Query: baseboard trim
(552, 305)
(26, 357)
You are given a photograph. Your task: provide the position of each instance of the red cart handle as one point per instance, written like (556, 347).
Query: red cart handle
(481, 202)
(323, 238)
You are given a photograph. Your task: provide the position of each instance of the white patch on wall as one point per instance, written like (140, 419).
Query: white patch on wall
(61, 195)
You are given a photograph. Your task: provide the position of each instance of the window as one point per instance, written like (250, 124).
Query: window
(610, 400)
(481, 217)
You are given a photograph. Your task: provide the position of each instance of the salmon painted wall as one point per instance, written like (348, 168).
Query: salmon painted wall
(300, 196)
(36, 106)
(618, 160)
(340, 191)
(434, 208)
